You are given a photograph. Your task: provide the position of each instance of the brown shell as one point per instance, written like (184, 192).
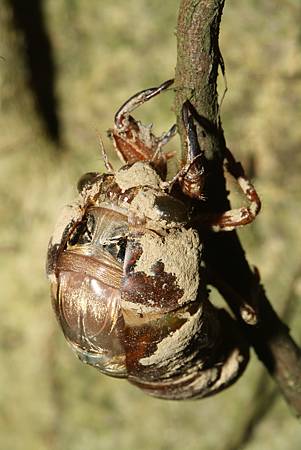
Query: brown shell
(131, 302)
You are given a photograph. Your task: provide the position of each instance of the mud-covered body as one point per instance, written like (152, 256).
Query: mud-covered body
(127, 286)
(124, 268)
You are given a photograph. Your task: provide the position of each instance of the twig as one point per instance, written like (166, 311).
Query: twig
(196, 76)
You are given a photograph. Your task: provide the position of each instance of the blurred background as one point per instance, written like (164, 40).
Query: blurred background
(65, 67)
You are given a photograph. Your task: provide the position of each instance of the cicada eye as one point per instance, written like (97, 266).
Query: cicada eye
(86, 180)
(83, 233)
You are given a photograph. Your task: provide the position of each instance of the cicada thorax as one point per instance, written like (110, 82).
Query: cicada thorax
(122, 302)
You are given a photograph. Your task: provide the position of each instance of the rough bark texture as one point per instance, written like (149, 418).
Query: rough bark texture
(198, 60)
(196, 76)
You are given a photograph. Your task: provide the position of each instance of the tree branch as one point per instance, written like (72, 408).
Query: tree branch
(196, 76)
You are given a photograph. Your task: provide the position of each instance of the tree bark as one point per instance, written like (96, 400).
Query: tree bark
(196, 80)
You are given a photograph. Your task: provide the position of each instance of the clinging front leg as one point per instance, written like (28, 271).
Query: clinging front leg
(191, 176)
(134, 141)
(192, 180)
(122, 116)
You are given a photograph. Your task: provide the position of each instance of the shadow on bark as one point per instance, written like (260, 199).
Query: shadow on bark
(29, 20)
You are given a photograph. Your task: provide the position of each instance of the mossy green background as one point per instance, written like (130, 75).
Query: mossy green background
(104, 52)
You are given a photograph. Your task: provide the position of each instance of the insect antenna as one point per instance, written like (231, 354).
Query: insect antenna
(104, 155)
